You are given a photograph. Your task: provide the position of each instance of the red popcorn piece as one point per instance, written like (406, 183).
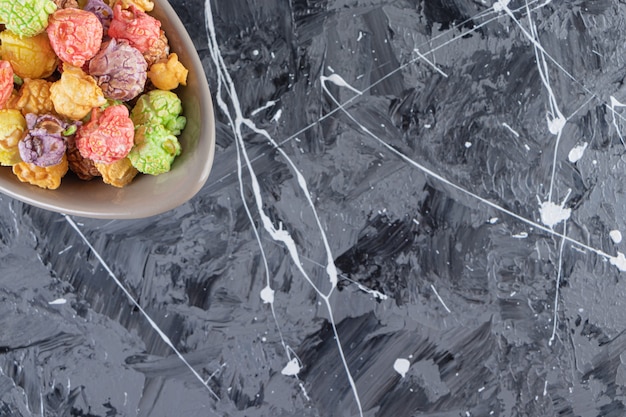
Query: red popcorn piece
(6, 82)
(137, 27)
(109, 135)
(75, 35)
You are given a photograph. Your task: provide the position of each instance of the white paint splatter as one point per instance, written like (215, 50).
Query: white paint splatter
(552, 213)
(521, 235)
(577, 152)
(510, 129)
(267, 295)
(468, 145)
(500, 5)
(616, 236)
(337, 80)
(401, 366)
(432, 287)
(277, 116)
(58, 301)
(292, 368)
(260, 109)
(619, 261)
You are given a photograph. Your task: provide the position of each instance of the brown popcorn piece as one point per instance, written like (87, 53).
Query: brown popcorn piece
(117, 174)
(44, 177)
(158, 51)
(84, 168)
(34, 97)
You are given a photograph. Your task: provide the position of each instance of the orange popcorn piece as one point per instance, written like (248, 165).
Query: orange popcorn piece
(76, 93)
(34, 97)
(168, 74)
(44, 177)
(117, 174)
(30, 57)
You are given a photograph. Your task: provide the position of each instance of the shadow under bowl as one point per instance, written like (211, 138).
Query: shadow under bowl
(147, 195)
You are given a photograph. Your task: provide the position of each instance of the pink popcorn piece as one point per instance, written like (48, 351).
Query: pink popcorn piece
(137, 27)
(75, 35)
(6, 82)
(108, 136)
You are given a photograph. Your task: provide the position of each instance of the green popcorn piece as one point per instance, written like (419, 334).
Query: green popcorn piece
(155, 149)
(159, 107)
(26, 17)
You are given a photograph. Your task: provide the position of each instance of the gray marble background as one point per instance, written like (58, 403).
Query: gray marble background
(415, 209)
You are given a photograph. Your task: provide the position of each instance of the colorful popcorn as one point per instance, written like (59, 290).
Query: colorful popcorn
(119, 69)
(159, 107)
(155, 149)
(117, 174)
(12, 128)
(76, 93)
(34, 97)
(138, 28)
(108, 136)
(26, 17)
(168, 74)
(30, 57)
(44, 177)
(75, 35)
(44, 144)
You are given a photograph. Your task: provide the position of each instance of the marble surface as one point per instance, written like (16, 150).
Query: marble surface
(416, 209)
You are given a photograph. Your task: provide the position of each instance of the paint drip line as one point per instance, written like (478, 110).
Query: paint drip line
(558, 284)
(152, 323)
(439, 298)
(614, 259)
(514, 132)
(432, 64)
(278, 234)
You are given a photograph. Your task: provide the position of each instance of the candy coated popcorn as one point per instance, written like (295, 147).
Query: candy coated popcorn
(159, 50)
(167, 74)
(138, 28)
(6, 82)
(66, 4)
(155, 149)
(159, 107)
(30, 57)
(117, 174)
(119, 69)
(34, 97)
(103, 12)
(108, 136)
(12, 128)
(44, 144)
(75, 94)
(84, 168)
(26, 17)
(75, 35)
(143, 5)
(44, 177)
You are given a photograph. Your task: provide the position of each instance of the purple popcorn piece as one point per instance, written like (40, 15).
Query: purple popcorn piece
(119, 69)
(43, 144)
(102, 11)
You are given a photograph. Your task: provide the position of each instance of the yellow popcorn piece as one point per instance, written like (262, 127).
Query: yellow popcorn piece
(12, 128)
(44, 177)
(34, 97)
(30, 57)
(117, 174)
(76, 93)
(168, 74)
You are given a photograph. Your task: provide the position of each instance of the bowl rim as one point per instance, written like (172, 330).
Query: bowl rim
(46, 199)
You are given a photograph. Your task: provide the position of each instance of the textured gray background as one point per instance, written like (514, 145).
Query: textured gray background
(427, 184)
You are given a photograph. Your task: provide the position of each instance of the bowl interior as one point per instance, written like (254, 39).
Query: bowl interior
(147, 195)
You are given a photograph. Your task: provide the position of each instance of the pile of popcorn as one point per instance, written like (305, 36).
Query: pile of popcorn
(86, 86)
